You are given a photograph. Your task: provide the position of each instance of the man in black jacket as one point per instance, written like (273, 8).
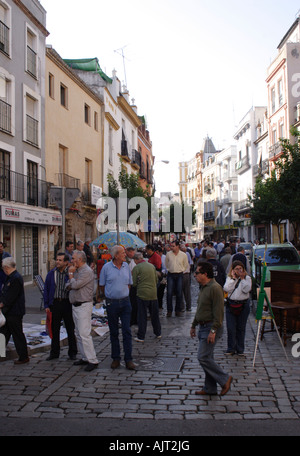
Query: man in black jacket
(12, 304)
(219, 271)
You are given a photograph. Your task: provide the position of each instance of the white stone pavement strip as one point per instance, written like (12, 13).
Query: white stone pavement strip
(164, 384)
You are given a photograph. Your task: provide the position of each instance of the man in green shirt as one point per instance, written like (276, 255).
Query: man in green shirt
(144, 278)
(209, 316)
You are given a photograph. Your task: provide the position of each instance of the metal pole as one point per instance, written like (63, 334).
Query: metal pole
(118, 220)
(63, 211)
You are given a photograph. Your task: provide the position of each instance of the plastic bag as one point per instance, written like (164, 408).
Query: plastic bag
(2, 319)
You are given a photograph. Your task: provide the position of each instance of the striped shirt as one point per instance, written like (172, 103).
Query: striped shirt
(60, 281)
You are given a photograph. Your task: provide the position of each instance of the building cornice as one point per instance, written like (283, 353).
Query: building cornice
(127, 109)
(269, 78)
(32, 17)
(112, 121)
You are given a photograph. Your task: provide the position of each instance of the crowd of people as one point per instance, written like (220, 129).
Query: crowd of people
(133, 285)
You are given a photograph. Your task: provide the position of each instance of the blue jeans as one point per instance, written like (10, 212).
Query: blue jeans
(236, 329)
(213, 373)
(174, 281)
(119, 309)
(143, 306)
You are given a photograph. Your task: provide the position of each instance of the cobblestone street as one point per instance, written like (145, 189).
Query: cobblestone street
(163, 386)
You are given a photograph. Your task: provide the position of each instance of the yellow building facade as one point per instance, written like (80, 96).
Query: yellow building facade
(73, 145)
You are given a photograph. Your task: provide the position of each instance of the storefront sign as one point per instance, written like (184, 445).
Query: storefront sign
(19, 214)
(96, 193)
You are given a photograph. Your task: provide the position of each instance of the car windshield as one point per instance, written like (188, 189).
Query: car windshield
(278, 256)
(246, 246)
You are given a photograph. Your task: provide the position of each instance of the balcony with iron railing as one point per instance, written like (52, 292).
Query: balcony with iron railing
(4, 38)
(64, 180)
(136, 158)
(32, 130)
(124, 150)
(261, 169)
(31, 62)
(209, 216)
(275, 151)
(242, 165)
(5, 117)
(143, 172)
(23, 189)
(242, 206)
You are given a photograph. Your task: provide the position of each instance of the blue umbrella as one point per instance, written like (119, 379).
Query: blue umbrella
(126, 239)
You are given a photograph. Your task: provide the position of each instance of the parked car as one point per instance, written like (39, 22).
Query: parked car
(248, 247)
(277, 257)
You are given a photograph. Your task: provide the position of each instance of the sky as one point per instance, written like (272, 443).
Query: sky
(193, 67)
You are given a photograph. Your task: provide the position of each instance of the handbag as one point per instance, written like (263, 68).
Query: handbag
(2, 319)
(235, 307)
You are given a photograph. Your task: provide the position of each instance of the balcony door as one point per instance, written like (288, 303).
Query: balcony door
(4, 175)
(32, 183)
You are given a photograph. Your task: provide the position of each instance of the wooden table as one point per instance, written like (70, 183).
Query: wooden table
(283, 309)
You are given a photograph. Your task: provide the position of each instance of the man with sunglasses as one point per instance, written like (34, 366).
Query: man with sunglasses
(209, 317)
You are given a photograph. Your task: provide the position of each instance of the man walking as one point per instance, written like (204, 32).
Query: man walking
(145, 280)
(81, 286)
(12, 304)
(115, 281)
(176, 264)
(186, 280)
(209, 317)
(56, 302)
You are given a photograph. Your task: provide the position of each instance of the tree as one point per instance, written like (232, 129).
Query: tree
(129, 182)
(288, 169)
(267, 204)
(277, 198)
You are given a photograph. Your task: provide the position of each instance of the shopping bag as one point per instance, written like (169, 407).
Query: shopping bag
(2, 319)
(49, 324)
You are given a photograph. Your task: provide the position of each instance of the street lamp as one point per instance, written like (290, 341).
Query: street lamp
(162, 161)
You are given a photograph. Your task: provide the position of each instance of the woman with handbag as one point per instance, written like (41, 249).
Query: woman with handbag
(238, 286)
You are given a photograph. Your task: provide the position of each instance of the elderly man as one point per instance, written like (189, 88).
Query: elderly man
(12, 304)
(176, 264)
(115, 282)
(81, 286)
(145, 280)
(56, 301)
(209, 317)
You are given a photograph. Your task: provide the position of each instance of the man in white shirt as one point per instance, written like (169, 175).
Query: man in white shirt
(176, 264)
(186, 282)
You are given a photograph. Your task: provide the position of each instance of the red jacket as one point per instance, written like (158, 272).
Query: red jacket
(155, 259)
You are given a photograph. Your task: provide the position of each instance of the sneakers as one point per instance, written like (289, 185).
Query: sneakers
(139, 340)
